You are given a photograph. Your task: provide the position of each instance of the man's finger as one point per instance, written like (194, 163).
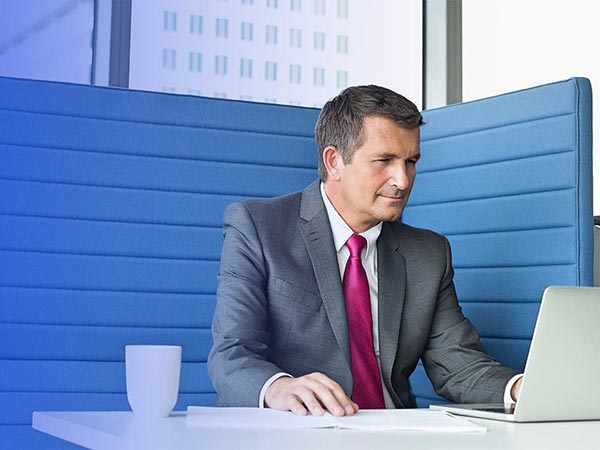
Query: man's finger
(340, 399)
(327, 398)
(309, 398)
(296, 406)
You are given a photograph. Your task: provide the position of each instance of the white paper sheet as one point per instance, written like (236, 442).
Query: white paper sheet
(380, 420)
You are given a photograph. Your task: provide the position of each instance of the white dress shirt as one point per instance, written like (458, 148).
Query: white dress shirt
(341, 233)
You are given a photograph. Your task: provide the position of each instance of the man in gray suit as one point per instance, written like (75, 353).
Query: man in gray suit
(285, 330)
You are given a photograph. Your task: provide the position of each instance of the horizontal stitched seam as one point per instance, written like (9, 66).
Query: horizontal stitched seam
(474, 199)
(157, 124)
(495, 127)
(167, 157)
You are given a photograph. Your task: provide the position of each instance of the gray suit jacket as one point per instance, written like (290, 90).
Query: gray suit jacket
(280, 307)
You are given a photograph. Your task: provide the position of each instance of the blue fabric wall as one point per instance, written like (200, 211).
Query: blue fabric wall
(110, 224)
(110, 233)
(508, 180)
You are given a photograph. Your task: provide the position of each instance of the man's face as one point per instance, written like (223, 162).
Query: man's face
(375, 185)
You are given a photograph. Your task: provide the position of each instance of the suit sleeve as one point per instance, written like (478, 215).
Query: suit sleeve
(238, 363)
(456, 362)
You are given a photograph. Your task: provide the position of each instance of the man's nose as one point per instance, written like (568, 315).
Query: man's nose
(399, 177)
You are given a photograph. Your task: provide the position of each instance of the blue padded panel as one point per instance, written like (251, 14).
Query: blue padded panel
(111, 209)
(508, 180)
(110, 233)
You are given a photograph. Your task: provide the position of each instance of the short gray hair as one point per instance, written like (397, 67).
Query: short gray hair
(340, 122)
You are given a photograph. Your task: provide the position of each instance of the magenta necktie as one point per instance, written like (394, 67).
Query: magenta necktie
(367, 392)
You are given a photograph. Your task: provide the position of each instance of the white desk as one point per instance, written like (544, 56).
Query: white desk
(119, 431)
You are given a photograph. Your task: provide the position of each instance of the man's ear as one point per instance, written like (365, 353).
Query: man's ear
(332, 160)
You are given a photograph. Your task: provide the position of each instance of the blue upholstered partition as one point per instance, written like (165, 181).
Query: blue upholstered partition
(508, 180)
(111, 204)
(110, 224)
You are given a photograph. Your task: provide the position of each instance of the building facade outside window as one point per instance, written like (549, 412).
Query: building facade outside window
(268, 48)
(295, 73)
(246, 68)
(43, 44)
(342, 44)
(319, 76)
(271, 71)
(320, 7)
(247, 31)
(222, 28)
(195, 63)
(169, 58)
(220, 65)
(342, 9)
(295, 38)
(319, 41)
(196, 24)
(271, 34)
(342, 79)
(170, 21)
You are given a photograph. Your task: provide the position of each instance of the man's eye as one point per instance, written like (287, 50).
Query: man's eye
(411, 161)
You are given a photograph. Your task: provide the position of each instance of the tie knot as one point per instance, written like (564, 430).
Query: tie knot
(355, 244)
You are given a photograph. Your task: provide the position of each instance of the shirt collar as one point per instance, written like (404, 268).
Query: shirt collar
(342, 232)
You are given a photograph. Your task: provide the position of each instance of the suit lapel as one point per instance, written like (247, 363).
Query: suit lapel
(316, 232)
(391, 267)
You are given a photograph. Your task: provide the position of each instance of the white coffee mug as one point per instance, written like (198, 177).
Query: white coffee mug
(152, 374)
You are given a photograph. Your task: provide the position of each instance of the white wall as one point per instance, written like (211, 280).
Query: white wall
(515, 44)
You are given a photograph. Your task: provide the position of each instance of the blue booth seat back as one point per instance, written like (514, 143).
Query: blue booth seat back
(508, 180)
(111, 204)
(111, 211)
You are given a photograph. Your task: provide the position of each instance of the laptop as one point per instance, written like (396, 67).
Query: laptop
(562, 374)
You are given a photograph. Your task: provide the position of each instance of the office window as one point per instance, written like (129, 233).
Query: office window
(319, 41)
(169, 58)
(342, 44)
(247, 31)
(319, 76)
(247, 2)
(246, 68)
(271, 71)
(320, 7)
(195, 63)
(246, 97)
(169, 89)
(51, 40)
(220, 65)
(342, 79)
(295, 73)
(220, 95)
(194, 92)
(196, 24)
(170, 21)
(271, 34)
(222, 29)
(268, 30)
(342, 9)
(295, 37)
(270, 100)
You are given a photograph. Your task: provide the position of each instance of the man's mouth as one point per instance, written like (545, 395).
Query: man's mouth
(396, 195)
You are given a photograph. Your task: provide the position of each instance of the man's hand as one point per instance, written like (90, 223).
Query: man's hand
(515, 391)
(309, 393)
